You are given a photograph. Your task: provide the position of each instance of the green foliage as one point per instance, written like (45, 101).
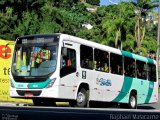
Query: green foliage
(111, 24)
(28, 25)
(93, 2)
(7, 21)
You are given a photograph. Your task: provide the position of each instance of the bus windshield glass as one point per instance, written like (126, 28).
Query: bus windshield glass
(35, 56)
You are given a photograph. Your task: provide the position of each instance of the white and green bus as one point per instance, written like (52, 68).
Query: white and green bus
(60, 67)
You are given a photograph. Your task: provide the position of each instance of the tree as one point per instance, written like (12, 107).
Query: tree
(93, 2)
(111, 24)
(28, 25)
(7, 22)
(142, 8)
(117, 21)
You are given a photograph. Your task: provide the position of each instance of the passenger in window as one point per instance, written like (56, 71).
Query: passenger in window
(102, 68)
(73, 62)
(133, 73)
(138, 73)
(132, 69)
(106, 69)
(143, 75)
(98, 66)
(120, 70)
(68, 62)
(63, 63)
(126, 71)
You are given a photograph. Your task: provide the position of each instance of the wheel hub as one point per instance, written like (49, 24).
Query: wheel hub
(80, 97)
(133, 101)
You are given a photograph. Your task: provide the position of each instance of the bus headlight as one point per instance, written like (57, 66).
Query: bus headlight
(50, 84)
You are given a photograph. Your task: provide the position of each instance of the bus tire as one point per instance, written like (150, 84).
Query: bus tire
(81, 99)
(132, 101)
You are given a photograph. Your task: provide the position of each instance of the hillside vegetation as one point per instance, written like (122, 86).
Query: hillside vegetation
(126, 25)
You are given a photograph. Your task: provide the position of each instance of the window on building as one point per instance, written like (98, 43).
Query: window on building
(101, 60)
(116, 64)
(129, 67)
(86, 57)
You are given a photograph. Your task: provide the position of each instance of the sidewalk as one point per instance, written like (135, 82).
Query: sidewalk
(2, 103)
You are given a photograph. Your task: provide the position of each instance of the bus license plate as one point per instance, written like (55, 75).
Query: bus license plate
(28, 95)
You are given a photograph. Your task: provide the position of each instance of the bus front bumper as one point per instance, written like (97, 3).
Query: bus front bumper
(32, 93)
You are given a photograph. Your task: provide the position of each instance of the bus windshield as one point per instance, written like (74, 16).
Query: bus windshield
(36, 56)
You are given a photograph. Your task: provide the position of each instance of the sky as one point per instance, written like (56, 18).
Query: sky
(107, 2)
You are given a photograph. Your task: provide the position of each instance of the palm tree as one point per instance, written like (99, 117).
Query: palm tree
(142, 9)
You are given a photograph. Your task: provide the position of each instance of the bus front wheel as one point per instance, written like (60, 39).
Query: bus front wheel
(133, 101)
(82, 99)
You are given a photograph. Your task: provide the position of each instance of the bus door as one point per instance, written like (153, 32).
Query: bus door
(68, 70)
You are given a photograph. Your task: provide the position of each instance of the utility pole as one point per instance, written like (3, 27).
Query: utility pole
(158, 35)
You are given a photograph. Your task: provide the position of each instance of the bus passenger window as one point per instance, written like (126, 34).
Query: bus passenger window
(151, 69)
(141, 70)
(86, 57)
(116, 64)
(129, 67)
(101, 60)
(68, 61)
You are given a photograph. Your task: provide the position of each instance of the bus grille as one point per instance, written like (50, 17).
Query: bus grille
(34, 93)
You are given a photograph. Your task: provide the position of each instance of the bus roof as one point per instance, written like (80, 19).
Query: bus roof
(138, 57)
(40, 35)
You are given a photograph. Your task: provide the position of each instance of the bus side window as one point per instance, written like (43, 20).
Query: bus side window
(141, 69)
(101, 60)
(129, 67)
(151, 69)
(86, 57)
(68, 61)
(116, 64)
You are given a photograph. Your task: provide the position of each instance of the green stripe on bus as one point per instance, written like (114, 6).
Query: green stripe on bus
(38, 85)
(128, 54)
(150, 91)
(125, 89)
(137, 57)
(127, 82)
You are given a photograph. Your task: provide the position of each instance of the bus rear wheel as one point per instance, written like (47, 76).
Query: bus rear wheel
(81, 100)
(132, 101)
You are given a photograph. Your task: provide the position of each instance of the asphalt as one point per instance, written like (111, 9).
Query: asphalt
(153, 106)
(63, 113)
(25, 111)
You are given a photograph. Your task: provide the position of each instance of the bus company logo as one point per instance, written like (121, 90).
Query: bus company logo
(105, 82)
